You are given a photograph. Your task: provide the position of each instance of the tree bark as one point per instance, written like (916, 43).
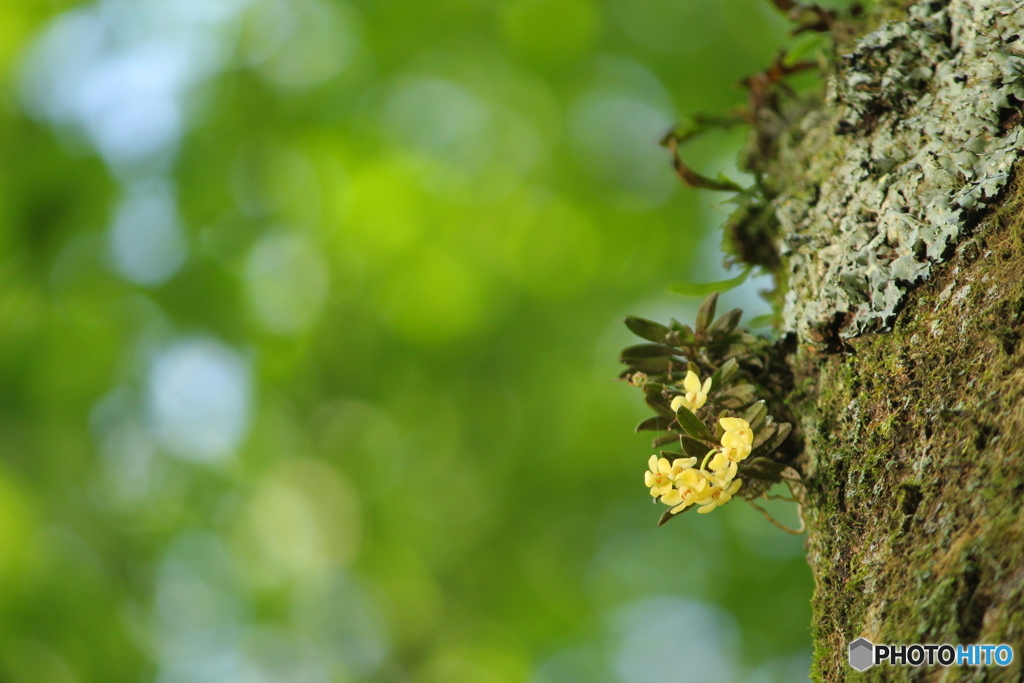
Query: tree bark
(898, 220)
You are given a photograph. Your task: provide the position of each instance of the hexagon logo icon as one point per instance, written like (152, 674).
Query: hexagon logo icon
(862, 654)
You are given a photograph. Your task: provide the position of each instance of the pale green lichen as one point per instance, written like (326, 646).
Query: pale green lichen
(922, 134)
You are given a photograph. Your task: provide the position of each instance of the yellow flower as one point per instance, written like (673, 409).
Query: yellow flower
(696, 395)
(724, 469)
(692, 487)
(718, 495)
(658, 477)
(737, 439)
(692, 480)
(680, 466)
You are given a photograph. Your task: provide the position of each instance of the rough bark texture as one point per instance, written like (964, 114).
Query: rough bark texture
(899, 219)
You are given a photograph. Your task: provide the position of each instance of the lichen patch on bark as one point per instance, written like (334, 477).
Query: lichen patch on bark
(920, 135)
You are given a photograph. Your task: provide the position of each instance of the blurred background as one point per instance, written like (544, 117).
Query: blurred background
(309, 320)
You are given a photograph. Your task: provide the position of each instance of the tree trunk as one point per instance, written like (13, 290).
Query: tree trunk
(899, 223)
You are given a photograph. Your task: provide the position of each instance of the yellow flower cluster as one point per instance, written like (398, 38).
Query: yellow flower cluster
(681, 484)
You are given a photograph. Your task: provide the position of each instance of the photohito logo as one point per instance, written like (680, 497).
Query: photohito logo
(864, 654)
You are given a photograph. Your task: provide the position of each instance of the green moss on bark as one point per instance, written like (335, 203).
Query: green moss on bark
(915, 467)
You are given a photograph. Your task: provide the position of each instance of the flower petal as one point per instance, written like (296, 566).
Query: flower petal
(733, 424)
(692, 382)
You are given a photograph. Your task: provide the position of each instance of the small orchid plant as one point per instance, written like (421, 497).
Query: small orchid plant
(699, 383)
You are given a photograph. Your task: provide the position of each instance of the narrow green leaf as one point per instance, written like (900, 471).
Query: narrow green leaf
(667, 515)
(684, 333)
(736, 397)
(762, 436)
(697, 124)
(648, 329)
(766, 320)
(705, 314)
(654, 398)
(807, 43)
(704, 288)
(658, 423)
(781, 432)
(664, 439)
(724, 374)
(658, 405)
(656, 365)
(727, 323)
(764, 469)
(693, 448)
(645, 351)
(692, 425)
(755, 415)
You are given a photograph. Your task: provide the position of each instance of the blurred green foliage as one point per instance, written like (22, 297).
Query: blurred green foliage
(309, 313)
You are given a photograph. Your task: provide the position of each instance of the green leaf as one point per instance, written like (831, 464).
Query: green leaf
(764, 469)
(692, 425)
(755, 415)
(653, 397)
(658, 423)
(736, 397)
(683, 332)
(693, 448)
(664, 439)
(762, 436)
(781, 432)
(646, 351)
(667, 515)
(697, 124)
(766, 320)
(809, 42)
(705, 314)
(727, 323)
(658, 405)
(648, 329)
(705, 288)
(724, 374)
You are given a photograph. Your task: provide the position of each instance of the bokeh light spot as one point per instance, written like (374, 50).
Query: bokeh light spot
(668, 638)
(301, 523)
(302, 42)
(441, 119)
(286, 279)
(198, 399)
(381, 210)
(146, 239)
